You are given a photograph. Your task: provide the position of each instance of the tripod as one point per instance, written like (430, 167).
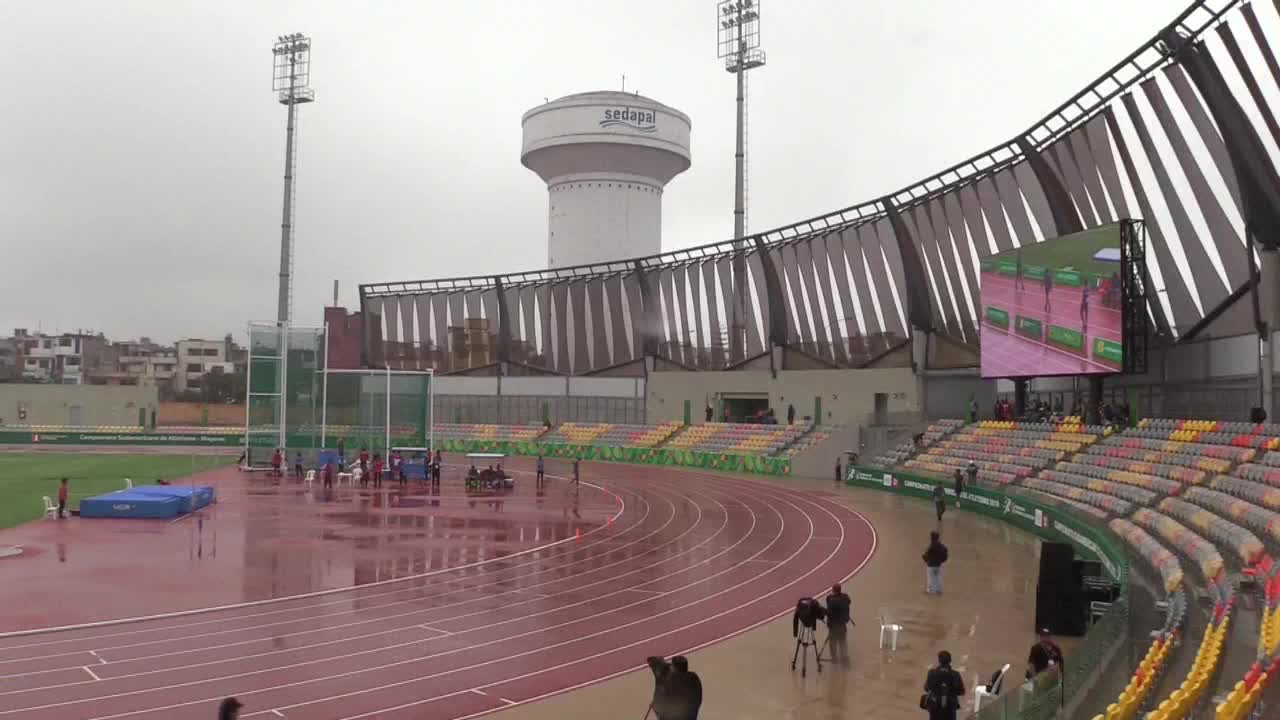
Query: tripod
(805, 640)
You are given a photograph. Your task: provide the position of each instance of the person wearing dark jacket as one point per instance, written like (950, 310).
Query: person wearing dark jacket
(684, 691)
(959, 485)
(838, 622)
(934, 556)
(939, 501)
(229, 709)
(943, 688)
(661, 703)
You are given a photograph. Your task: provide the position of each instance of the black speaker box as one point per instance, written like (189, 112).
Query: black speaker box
(1062, 610)
(1055, 564)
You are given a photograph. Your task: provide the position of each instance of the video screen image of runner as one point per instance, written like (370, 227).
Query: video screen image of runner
(1053, 308)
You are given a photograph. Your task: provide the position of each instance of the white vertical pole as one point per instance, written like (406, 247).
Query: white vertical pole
(324, 390)
(248, 391)
(387, 448)
(431, 412)
(284, 383)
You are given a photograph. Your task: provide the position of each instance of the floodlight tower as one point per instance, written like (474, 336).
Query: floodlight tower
(738, 44)
(290, 79)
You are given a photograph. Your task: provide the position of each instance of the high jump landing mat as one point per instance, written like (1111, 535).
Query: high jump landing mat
(147, 501)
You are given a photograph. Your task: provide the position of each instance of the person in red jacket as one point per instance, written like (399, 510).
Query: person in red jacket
(276, 460)
(364, 460)
(377, 471)
(62, 499)
(328, 475)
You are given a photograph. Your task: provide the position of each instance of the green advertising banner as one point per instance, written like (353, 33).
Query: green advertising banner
(1007, 267)
(1045, 521)
(1030, 327)
(1107, 351)
(1068, 276)
(1066, 338)
(988, 265)
(13, 437)
(998, 317)
(1034, 272)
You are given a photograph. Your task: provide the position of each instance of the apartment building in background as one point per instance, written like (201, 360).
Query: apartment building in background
(66, 359)
(197, 358)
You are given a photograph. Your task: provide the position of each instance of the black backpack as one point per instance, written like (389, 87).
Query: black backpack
(941, 695)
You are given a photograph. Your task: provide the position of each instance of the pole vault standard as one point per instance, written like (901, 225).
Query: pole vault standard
(387, 374)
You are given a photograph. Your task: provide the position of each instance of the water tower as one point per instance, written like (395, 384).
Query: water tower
(605, 157)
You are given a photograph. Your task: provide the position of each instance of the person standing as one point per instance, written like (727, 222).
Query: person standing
(297, 466)
(934, 557)
(62, 499)
(541, 467)
(435, 469)
(959, 486)
(575, 472)
(943, 688)
(1048, 288)
(940, 501)
(839, 471)
(973, 409)
(791, 414)
(972, 471)
(364, 460)
(277, 458)
(1017, 283)
(838, 621)
(377, 471)
(328, 476)
(684, 691)
(1084, 304)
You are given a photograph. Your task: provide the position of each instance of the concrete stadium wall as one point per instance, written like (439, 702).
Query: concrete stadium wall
(527, 400)
(78, 405)
(848, 396)
(196, 414)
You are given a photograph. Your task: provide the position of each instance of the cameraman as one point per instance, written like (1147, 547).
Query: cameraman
(838, 620)
(677, 693)
(661, 704)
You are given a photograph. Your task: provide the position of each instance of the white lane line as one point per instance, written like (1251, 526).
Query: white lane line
(392, 617)
(302, 596)
(744, 538)
(278, 713)
(95, 654)
(435, 630)
(697, 522)
(493, 697)
(343, 601)
(645, 641)
(92, 674)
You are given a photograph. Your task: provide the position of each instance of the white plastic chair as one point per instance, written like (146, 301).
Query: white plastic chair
(887, 626)
(345, 476)
(984, 691)
(50, 510)
(356, 475)
(310, 477)
(128, 484)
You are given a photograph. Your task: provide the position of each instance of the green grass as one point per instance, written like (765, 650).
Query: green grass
(26, 477)
(1074, 250)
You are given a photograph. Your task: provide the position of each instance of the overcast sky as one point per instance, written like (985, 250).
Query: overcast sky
(142, 149)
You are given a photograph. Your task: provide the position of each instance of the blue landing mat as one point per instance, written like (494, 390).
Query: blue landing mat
(130, 504)
(192, 497)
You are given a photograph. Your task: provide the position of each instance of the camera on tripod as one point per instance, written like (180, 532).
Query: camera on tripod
(808, 613)
(804, 623)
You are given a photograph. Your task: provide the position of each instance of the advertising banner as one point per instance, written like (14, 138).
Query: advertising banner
(1046, 521)
(106, 438)
(998, 317)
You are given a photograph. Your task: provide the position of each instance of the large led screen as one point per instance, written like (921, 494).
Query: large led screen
(1053, 308)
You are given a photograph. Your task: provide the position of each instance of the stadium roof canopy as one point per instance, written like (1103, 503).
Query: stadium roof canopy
(1181, 133)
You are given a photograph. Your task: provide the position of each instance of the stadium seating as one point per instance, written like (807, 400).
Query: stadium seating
(738, 438)
(1004, 451)
(474, 431)
(612, 434)
(935, 432)
(1150, 550)
(1199, 550)
(1224, 533)
(1109, 503)
(1247, 513)
(1135, 495)
(1256, 493)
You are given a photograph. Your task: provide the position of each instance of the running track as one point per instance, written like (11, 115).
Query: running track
(689, 559)
(1007, 354)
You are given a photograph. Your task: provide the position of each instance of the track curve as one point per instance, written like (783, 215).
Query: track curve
(691, 559)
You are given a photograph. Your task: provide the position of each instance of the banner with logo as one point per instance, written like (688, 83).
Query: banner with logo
(15, 437)
(1046, 521)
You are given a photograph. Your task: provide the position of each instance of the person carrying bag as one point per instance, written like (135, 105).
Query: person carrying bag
(943, 688)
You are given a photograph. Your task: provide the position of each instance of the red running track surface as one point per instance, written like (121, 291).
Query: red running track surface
(689, 559)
